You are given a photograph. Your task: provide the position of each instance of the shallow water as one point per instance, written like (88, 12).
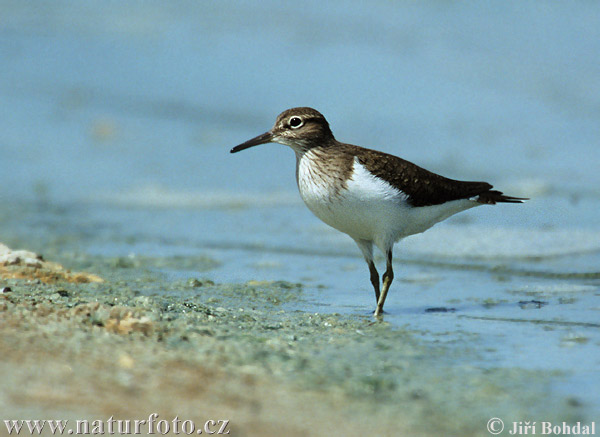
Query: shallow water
(115, 135)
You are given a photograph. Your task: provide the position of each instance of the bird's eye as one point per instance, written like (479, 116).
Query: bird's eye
(295, 122)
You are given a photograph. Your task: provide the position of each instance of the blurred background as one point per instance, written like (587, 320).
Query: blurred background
(138, 103)
(116, 121)
(105, 97)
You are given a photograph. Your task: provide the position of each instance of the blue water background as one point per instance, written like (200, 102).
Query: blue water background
(123, 114)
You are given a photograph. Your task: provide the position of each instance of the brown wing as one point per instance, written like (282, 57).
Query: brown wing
(422, 187)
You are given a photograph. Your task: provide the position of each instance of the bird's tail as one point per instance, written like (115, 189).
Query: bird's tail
(492, 197)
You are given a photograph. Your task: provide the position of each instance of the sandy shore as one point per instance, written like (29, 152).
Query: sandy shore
(131, 343)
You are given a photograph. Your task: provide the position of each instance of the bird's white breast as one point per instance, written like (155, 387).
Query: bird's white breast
(365, 206)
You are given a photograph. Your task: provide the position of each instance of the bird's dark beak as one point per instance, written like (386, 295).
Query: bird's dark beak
(267, 137)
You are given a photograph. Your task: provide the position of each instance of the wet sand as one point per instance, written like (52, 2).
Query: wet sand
(137, 344)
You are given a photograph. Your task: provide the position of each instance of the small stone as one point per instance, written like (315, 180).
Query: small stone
(123, 321)
(126, 362)
(193, 282)
(531, 304)
(440, 310)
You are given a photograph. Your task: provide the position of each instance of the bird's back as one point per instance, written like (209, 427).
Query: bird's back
(422, 187)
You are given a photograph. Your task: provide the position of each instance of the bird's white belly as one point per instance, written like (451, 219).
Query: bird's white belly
(369, 208)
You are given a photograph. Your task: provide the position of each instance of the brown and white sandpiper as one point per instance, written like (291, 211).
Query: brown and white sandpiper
(374, 197)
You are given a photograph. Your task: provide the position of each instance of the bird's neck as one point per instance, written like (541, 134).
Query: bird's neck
(324, 165)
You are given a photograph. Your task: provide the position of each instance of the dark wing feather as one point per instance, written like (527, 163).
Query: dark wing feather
(423, 187)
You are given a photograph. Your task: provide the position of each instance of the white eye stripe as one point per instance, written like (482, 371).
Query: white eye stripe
(295, 122)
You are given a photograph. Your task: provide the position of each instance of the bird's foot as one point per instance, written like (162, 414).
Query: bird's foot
(378, 313)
